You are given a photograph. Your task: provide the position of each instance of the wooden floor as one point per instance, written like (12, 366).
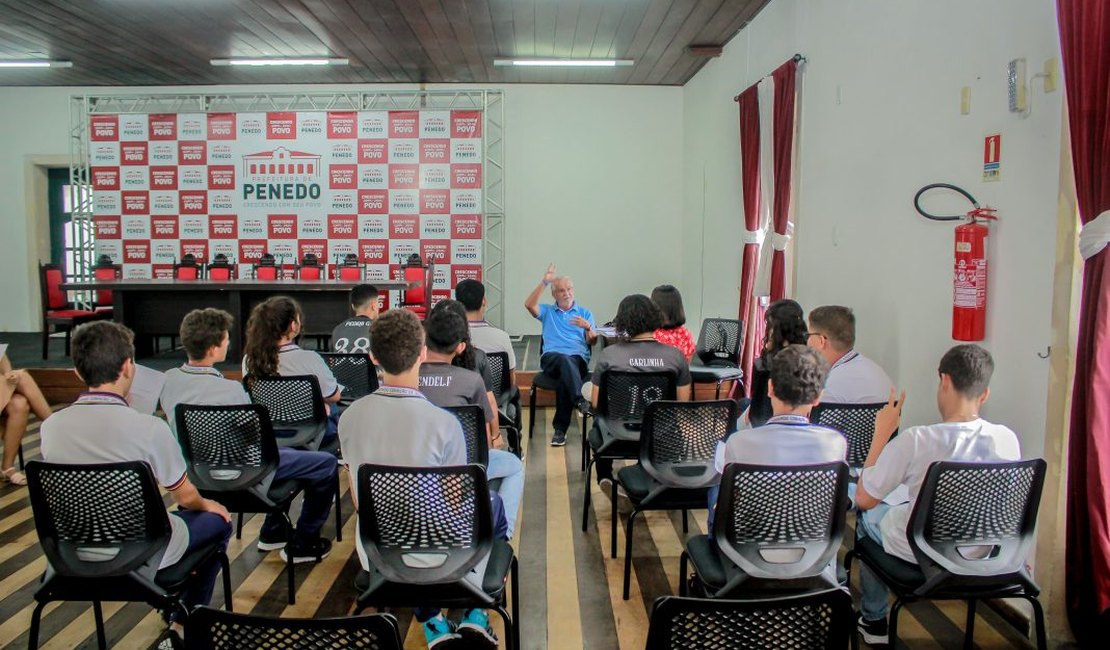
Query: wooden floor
(570, 588)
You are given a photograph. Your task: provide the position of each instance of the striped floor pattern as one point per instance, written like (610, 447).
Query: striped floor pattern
(570, 588)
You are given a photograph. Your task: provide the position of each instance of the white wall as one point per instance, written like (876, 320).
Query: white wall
(879, 119)
(587, 168)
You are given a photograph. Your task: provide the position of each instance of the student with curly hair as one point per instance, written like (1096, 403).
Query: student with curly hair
(784, 324)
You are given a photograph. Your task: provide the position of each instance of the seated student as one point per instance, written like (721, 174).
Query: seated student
(19, 397)
(785, 325)
(797, 376)
(485, 337)
(673, 331)
(397, 425)
(205, 336)
(353, 334)
(472, 357)
(965, 373)
(636, 321)
(272, 329)
(100, 427)
(853, 378)
(448, 385)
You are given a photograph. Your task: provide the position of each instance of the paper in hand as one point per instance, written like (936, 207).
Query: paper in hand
(146, 389)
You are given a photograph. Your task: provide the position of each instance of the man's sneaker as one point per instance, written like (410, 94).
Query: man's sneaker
(873, 632)
(559, 439)
(271, 541)
(307, 551)
(439, 633)
(475, 628)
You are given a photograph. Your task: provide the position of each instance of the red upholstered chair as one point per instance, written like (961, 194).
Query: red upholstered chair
(188, 269)
(57, 310)
(419, 298)
(105, 270)
(351, 270)
(220, 270)
(266, 269)
(309, 268)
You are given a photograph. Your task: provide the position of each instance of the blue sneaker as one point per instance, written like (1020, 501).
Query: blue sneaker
(439, 633)
(475, 628)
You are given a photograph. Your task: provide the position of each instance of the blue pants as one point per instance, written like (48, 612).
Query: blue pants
(568, 371)
(510, 470)
(316, 472)
(205, 529)
(873, 600)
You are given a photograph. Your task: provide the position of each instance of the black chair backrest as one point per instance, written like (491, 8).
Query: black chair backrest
(294, 403)
(812, 622)
(214, 629)
(473, 421)
(974, 522)
(98, 520)
(678, 440)
(623, 395)
(719, 342)
(797, 511)
(439, 516)
(355, 371)
(855, 421)
(226, 447)
(499, 371)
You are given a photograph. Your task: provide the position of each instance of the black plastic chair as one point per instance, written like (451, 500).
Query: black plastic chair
(540, 381)
(355, 371)
(621, 400)
(855, 421)
(232, 457)
(212, 629)
(103, 529)
(508, 398)
(473, 421)
(776, 531)
(717, 354)
(675, 472)
(442, 516)
(971, 530)
(820, 621)
(296, 408)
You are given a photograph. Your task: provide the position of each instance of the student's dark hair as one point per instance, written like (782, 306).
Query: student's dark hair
(99, 350)
(362, 294)
(396, 338)
(470, 293)
(445, 328)
(837, 323)
(466, 358)
(970, 367)
(798, 373)
(268, 323)
(203, 328)
(785, 325)
(636, 315)
(669, 301)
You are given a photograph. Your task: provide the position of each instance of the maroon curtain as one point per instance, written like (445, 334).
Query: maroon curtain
(783, 112)
(749, 180)
(1085, 43)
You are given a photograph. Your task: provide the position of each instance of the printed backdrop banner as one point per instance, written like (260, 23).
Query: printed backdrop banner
(380, 184)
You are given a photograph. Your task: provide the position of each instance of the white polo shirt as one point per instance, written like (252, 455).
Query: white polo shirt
(855, 379)
(103, 428)
(906, 459)
(294, 360)
(202, 385)
(783, 440)
(488, 338)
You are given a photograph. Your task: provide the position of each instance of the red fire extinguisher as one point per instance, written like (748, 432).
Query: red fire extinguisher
(969, 267)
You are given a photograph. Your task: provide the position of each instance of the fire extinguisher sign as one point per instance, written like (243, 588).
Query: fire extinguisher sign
(992, 155)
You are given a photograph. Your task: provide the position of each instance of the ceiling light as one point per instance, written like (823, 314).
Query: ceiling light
(34, 63)
(587, 63)
(271, 62)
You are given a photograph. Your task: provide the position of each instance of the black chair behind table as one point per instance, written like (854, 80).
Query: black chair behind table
(103, 529)
(820, 621)
(58, 311)
(717, 354)
(473, 422)
(441, 515)
(621, 400)
(855, 421)
(971, 530)
(508, 398)
(212, 629)
(677, 447)
(232, 457)
(354, 371)
(776, 531)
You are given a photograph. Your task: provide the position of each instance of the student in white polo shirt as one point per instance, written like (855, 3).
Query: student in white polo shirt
(445, 384)
(100, 427)
(353, 334)
(853, 378)
(397, 425)
(965, 374)
(485, 337)
(205, 335)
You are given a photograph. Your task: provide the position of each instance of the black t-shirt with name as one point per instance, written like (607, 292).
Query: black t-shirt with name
(352, 335)
(643, 356)
(447, 385)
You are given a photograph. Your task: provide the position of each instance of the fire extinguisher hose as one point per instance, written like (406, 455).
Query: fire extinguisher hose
(945, 186)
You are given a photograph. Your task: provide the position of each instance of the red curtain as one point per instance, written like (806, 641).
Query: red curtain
(783, 166)
(749, 179)
(1085, 43)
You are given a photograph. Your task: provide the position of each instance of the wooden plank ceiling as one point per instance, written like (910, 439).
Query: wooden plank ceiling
(170, 42)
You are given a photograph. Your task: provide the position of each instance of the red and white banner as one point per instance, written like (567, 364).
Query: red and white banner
(379, 184)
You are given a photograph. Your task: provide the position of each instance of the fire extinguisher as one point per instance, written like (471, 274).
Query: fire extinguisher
(969, 267)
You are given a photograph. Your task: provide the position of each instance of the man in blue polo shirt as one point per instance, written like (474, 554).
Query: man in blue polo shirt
(568, 333)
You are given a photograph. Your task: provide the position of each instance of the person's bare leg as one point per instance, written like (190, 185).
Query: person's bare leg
(5, 365)
(29, 389)
(17, 411)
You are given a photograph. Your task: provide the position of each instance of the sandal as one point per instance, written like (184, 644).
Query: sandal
(13, 476)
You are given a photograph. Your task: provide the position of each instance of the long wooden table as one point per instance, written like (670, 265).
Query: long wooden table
(156, 307)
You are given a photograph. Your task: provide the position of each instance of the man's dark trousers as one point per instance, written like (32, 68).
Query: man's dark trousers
(568, 371)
